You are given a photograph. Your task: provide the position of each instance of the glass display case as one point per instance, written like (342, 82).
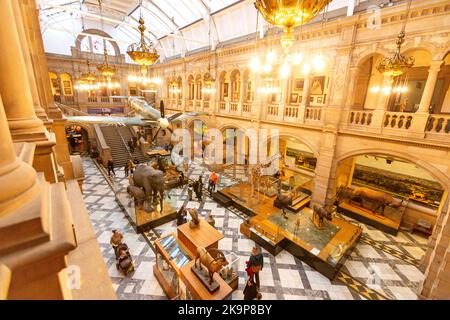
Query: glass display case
(229, 272)
(170, 257)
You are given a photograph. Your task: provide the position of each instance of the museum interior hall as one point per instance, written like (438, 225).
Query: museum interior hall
(224, 150)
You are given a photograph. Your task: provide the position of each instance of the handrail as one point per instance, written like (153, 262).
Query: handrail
(123, 141)
(64, 109)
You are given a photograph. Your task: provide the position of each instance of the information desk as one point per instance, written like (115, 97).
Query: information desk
(175, 254)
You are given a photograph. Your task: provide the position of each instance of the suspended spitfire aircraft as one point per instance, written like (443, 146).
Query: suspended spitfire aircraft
(146, 116)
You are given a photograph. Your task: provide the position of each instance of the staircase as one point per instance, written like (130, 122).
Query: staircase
(117, 138)
(126, 134)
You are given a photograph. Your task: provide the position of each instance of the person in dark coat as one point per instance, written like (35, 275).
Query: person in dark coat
(181, 215)
(251, 291)
(131, 145)
(110, 166)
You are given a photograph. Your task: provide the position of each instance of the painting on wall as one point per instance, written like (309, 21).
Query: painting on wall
(303, 159)
(294, 98)
(411, 187)
(299, 84)
(318, 86)
(225, 90)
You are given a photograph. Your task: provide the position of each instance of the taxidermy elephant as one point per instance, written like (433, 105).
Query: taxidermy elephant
(152, 180)
(137, 194)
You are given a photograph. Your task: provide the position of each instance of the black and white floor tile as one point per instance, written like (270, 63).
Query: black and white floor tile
(283, 276)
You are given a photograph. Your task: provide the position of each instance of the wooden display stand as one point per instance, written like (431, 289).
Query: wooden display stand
(188, 240)
(198, 289)
(204, 235)
(389, 223)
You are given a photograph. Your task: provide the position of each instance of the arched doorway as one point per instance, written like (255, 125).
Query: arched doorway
(77, 139)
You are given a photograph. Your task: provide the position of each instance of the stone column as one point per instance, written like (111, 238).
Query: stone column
(31, 15)
(17, 97)
(428, 91)
(26, 50)
(14, 85)
(354, 72)
(35, 224)
(436, 284)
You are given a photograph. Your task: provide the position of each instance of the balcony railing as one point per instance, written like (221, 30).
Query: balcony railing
(291, 112)
(247, 107)
(273, 111)
(205, 105)
(438, 124)
(222, 106)
(398, 120)
(313, 113)
(360, 118)
(234, 107)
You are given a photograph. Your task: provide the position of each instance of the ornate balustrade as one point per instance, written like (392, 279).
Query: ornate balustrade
(438, 124)
(222, 106)
(272, 111)
(398, 120)
(234, 107)
(247, 107)
(313, 114)
(205, 105)
(360, 118)
(291, 112)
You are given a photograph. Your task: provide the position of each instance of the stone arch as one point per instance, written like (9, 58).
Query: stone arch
(443, 179)
(425, 46)
(100, 33)
(314, 149)
(367, 54)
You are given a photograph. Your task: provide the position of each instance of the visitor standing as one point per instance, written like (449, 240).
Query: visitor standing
(212, 183)
(255, 265)
(189, 191)
(110, 166)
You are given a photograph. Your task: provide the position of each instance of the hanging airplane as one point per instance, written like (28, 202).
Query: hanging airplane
(146, 116)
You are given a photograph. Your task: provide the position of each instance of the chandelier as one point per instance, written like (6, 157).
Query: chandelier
(289, 14)
(397, 64)
(142, 53)
(89, 77)
(105, 69)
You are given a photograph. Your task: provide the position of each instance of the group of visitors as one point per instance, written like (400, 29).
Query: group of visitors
(197, 187)
(133, 143)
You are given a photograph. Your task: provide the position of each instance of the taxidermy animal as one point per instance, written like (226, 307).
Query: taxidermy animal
(283, 200)
(319, 214)
(212, 264)
(195, 220)
(381, 199)
(152, 181)
(137, 194)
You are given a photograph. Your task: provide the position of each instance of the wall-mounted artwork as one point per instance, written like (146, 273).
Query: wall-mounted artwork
(294, 98)
(319, 100)
(303, 159)
(225, 90)
(299, 84)
(318, 85)
(401, 179)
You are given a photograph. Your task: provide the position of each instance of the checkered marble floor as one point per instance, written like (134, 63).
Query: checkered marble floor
(283, 276)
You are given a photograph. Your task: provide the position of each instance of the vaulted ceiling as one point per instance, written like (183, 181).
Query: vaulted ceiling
(173, 26)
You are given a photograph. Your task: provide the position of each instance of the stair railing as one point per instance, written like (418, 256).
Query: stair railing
(125, 144)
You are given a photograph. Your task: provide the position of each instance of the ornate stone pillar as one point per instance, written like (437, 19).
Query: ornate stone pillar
(428, 91)
(354, 72)
(35, 225)
(26, 50)
(14, 85)
(17, 96)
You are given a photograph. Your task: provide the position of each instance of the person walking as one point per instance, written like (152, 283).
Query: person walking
(189, 191)
(126, 170)
(212, 183)
(110, 165)
(255, 265)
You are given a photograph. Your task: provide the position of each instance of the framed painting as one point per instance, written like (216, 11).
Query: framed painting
(299, 84)
(318, 86)
(293, 98)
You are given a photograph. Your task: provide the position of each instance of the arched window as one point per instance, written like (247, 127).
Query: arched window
(235, 86)
(96, 44)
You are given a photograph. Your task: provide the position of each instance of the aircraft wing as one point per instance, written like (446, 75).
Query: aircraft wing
(122, 121)
(184, 116)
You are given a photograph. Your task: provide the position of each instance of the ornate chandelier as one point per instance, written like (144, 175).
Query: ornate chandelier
(142, 53)
(289, 14)
(89, 77)
(397, 64)
(105, 69)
